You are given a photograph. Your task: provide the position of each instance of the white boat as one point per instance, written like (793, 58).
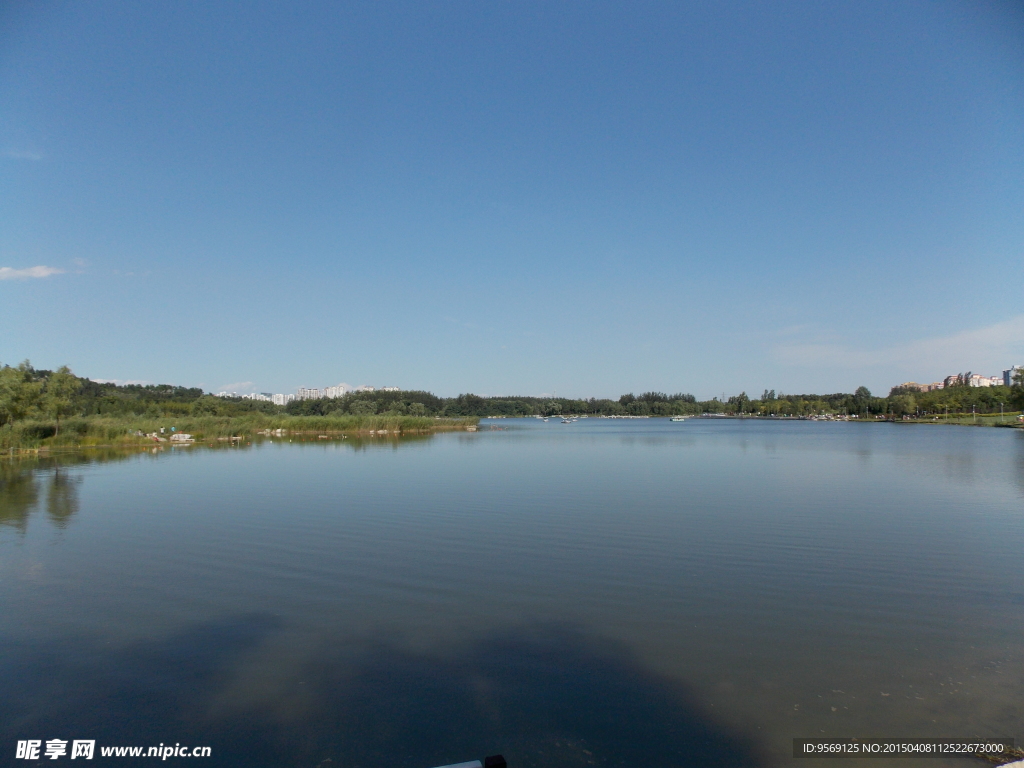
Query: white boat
(679, 418)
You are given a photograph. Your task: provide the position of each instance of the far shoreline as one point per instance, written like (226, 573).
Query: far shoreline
(1012, 420)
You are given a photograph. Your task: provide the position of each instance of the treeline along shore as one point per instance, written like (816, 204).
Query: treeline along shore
(56, 409)
(40, 408)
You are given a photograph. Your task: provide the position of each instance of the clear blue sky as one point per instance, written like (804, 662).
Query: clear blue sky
(581, 198)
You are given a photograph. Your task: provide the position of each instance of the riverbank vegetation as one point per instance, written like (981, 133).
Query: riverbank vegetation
(55, 409)
(41, 408)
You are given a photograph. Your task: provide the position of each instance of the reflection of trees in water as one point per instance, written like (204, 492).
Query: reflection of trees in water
(19, 494)
(21, 488)
(1019, 474)
(62, 497)
(22, 478)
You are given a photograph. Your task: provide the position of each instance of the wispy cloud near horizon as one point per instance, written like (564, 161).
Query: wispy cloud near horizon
(989, 349)
(238, 385)
(9, 273)
(23, 154)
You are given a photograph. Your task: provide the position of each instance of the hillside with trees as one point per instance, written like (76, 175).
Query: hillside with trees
(42, 403)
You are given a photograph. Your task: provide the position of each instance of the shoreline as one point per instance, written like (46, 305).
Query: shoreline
(148, 432)
(986, 421)
(116, 434)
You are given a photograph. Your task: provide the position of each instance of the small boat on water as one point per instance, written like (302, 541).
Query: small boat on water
(679, 418)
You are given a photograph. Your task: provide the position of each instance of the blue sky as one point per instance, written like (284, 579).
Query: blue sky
(580, 198)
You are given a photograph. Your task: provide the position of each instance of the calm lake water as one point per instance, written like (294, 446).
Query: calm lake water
(610, 593)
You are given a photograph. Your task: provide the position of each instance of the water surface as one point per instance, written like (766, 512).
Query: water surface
(611, 593)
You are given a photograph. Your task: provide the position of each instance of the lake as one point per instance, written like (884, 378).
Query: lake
(608, 592)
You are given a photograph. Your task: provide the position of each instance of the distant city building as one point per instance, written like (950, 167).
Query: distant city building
(1008, 375)
(972, 380)
(977, 380)
(308, 393)
(338, 391)
(922, 387)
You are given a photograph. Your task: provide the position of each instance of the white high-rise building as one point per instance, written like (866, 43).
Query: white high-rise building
(977, 380)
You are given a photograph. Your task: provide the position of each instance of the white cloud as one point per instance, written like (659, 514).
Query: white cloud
(985, 350)
(23, 154)
(9, 273)
(238, 386)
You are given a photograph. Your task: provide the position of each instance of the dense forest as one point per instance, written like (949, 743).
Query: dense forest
(29, 393)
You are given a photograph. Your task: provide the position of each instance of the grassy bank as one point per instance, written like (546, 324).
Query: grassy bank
(84, 432)
(1009, 419)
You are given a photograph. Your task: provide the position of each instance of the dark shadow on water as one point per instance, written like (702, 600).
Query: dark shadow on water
(150, 693)
(543, 698)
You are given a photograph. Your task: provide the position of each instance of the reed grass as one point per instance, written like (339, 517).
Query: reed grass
(83, 432)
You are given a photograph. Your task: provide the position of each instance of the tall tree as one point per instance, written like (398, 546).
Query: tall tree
(19, 393)
(1017, 388)
(61, 388)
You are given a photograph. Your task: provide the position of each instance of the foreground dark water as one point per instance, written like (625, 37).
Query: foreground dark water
(611, 593)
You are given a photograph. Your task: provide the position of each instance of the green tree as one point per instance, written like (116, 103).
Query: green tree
(58, 398)
(903, 405)
(741, 402)
(1017, 389)
(19, 392)
(363, 408)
